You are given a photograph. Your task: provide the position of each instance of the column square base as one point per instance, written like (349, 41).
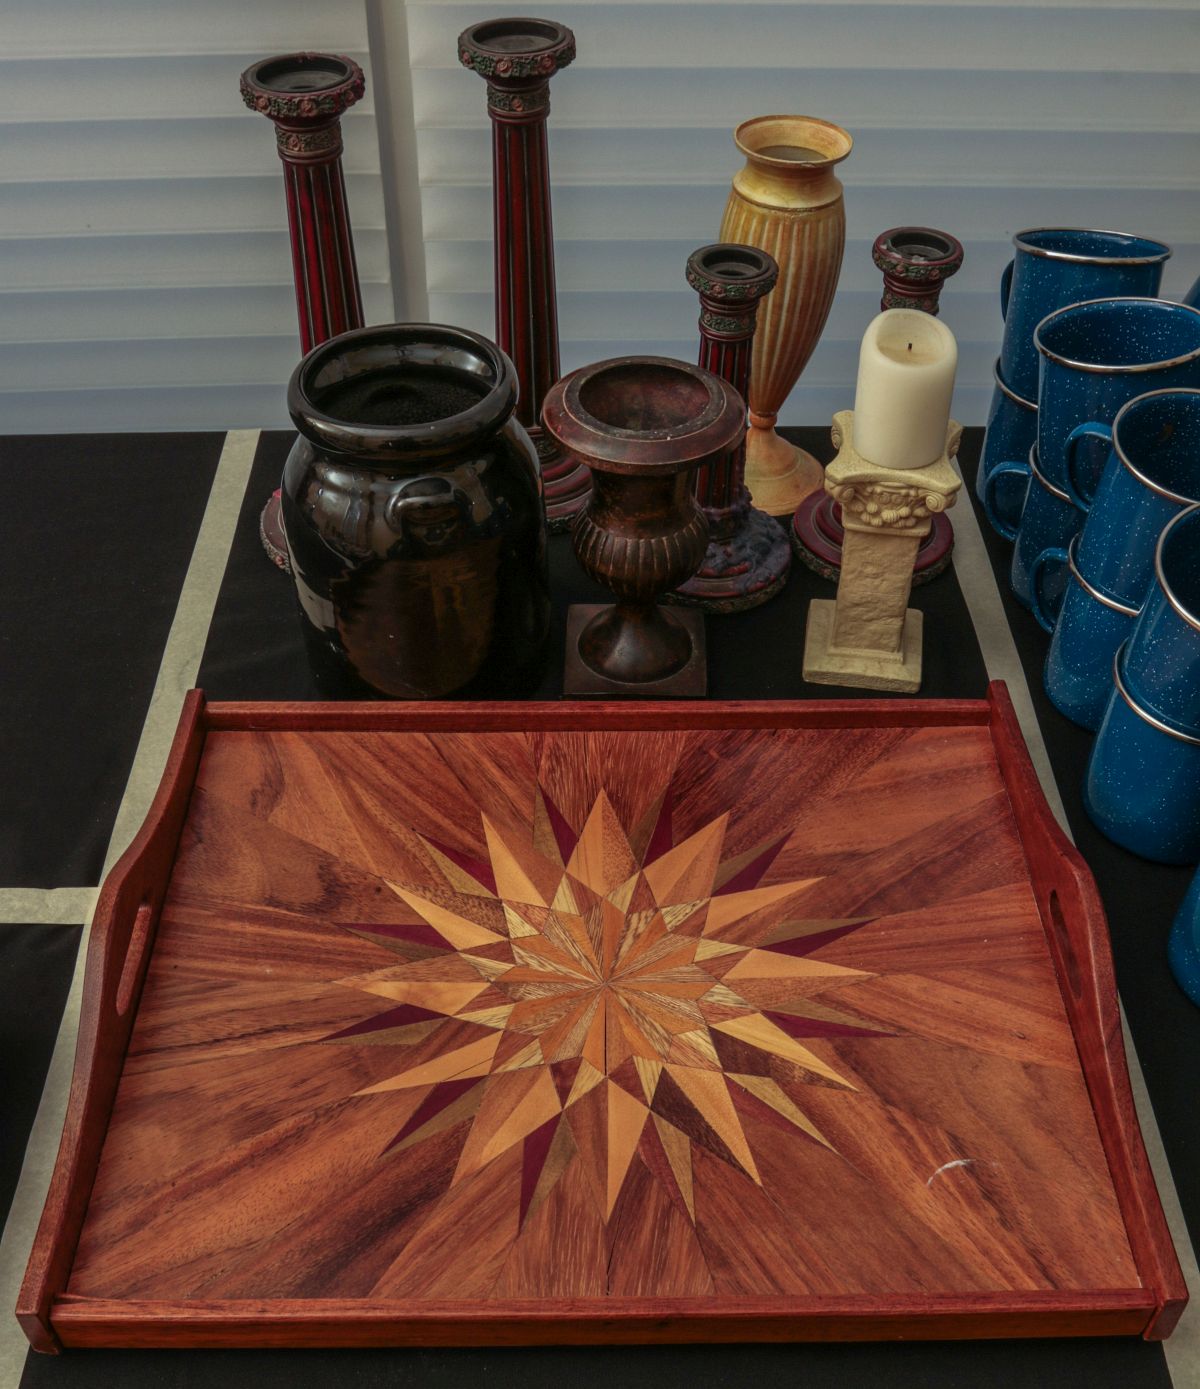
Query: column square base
(826, 664)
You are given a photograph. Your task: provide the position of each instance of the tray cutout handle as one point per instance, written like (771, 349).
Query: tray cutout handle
(136, 955)
(119, 948)
(1077, 936)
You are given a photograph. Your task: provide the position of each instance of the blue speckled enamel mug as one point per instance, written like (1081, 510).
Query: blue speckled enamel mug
(1055, 266)
(1183, 948)
(1142, 787)
(1152, 474)
(1091, 627)
(1049, 521)
(1095, 357)
(1011, 433)
(1162, 662)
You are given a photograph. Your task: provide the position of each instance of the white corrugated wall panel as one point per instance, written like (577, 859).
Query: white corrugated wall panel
(978, 118)
(145, 276)
(145, 268)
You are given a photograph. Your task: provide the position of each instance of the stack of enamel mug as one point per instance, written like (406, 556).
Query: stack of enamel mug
(1143, 780)
(1091, 466)
(1152, 474)
(1051, 269)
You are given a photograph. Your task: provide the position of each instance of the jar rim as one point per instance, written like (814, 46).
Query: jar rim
(437, 346)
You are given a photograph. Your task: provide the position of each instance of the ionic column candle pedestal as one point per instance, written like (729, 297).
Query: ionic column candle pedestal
(748, 558)
(304, 95)
(916, 262)
(518, 57)
(870, 638)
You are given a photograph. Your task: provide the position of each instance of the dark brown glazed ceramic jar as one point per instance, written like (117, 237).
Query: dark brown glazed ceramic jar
(412, 505)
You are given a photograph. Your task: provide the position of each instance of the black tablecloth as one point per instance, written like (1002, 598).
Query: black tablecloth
(97, 536)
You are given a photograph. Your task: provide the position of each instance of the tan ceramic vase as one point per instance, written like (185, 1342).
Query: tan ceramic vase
(787, 201)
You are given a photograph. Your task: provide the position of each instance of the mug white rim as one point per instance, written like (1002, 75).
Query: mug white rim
(1045, 482)
(1192, 619)
(1131, 467)
(1144, 714)
(1100, 369)
(1090, 589)
(1076, 258)
(1007, 390)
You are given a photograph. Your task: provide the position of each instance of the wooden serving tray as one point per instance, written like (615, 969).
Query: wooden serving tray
(565, 1023)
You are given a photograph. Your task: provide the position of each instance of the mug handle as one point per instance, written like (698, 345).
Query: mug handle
(1045, 621)
(1009, 469)
(1006, 288)
(1092, 429)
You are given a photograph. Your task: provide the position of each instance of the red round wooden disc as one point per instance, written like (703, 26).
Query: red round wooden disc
(817, 534)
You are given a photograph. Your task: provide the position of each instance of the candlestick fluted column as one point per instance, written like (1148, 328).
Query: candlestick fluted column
(748, 557)
(518, 57)
(304, 96)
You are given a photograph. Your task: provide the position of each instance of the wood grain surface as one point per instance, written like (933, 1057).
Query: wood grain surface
(699, 1029)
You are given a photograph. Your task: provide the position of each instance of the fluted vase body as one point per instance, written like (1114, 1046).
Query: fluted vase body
(787, 201)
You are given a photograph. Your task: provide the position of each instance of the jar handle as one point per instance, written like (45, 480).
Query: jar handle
(409, 509)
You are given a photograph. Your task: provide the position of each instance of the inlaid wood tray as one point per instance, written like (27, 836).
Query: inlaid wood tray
(559, 1023)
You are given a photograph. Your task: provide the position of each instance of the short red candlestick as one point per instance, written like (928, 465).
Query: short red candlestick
(518, 57)
(304, 96)
(748, 559)
(916, 262)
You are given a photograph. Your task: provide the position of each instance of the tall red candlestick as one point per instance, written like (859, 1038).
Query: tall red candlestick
(304, 96)
(518, 57)
(748, 558)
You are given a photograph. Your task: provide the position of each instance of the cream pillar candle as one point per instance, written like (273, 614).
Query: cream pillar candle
(905, 381)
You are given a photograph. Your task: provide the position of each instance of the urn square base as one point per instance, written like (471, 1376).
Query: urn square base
(580, 681)
(826, 664)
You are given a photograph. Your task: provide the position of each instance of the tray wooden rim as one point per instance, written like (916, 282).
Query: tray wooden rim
(122, 940)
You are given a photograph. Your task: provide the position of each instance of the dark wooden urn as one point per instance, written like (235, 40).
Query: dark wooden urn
(642, 426)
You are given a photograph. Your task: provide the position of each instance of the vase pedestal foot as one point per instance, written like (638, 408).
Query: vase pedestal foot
(270, 532)
(817, 532)
(745, 570)
(778, 474)
(582, 681)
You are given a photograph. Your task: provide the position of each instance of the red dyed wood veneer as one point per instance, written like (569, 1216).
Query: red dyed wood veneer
(518, 57)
